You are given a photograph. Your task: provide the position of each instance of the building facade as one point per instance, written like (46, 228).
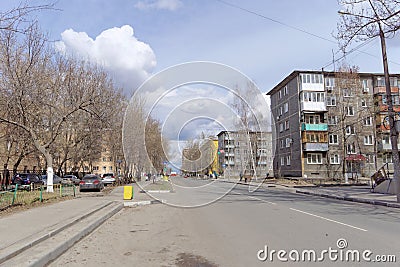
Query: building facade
(249, 154)
(331, 125)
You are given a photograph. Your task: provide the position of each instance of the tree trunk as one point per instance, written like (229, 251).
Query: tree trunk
(393, 130)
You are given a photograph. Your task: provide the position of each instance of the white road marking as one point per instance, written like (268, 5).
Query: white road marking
(330, 220)
(269, 202)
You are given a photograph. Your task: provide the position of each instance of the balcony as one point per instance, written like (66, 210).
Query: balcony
(314, 127)
(386, 147)
(315, 146)
(313, 106)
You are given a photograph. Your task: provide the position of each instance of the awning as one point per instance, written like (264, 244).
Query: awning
(358, 157)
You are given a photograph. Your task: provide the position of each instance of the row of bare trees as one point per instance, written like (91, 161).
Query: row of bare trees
(55, 107)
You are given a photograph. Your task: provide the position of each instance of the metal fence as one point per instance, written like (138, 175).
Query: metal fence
(26, 196)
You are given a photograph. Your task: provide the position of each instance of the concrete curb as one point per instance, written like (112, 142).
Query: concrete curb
(128, 204)
(61, 248)
(40, 253)
(49, 235)
(352, 199)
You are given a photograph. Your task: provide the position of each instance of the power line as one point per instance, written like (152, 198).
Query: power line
(274, 20)
(357, 48)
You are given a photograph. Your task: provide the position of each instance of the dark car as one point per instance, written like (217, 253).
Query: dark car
(27, 180)
(91, 182)
(56, 179)
(70, 179)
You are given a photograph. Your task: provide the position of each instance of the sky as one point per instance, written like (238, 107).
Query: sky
(265, 40)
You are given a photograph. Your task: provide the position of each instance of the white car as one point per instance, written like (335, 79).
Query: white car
(108, 178)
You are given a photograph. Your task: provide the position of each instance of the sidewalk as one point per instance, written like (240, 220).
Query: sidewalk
(357, 193)
(361, 194)
(59, 225)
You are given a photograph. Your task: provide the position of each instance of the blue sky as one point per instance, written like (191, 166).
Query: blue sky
(135, 39)
(178, 31)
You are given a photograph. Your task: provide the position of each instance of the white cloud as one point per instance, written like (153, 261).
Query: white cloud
(129, 60)
(159, 4)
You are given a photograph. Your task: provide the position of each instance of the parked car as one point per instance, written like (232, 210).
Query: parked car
(27, 180)
(108, 178)
(70, 179)
(56, 179)
(91, 181)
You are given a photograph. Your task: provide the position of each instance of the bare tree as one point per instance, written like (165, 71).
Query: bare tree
(41, 92)
(350, 117)
(363, 20)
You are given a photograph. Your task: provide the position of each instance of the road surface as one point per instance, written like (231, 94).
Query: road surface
(222, 224)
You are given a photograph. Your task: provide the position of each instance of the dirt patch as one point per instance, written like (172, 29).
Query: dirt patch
(159, 185)
(190, 260)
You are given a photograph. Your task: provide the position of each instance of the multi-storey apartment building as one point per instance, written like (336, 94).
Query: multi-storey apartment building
(249, 154)
(331, 125)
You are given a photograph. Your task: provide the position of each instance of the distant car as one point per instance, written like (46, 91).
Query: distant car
(91, 182)
(108, 178)
(56, 179)
(70, 179)
(27, 180)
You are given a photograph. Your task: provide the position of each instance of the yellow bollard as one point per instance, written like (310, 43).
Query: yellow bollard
(128, 192)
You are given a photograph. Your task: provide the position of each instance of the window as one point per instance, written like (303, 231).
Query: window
(285, 90)
(367, 121)
(311, 78)
(329, 83)
(314, 158)
(282, 143)
(280, 127)
(386, 140)
(288, 142)
(105, 168)
(387, 158)
(95, 168)
(286, 125)
(331, 100)
(332, 120)
(280, 110)
(315, 137)
(347, 93)
(286, 107)
(333, 139)
(351, 148)
(350, 129)
(288, 160)
(365, 87)
(282, 161)
(110, 168)
(380, 81)
(363, 103)
(334, 159)
(395, 100)
(313, 96)
(368, 140)
(104, 159)
(370, 158)
(312, 119)
(280, 94)
(350, 111)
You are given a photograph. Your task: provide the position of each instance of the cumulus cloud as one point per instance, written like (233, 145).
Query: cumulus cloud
(129, 60)
(159, 4)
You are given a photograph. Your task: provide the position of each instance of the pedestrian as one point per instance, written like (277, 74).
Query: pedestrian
(6, 177)
(148, 176)
(241, 176)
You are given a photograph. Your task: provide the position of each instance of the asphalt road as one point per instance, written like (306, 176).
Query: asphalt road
(223, 224)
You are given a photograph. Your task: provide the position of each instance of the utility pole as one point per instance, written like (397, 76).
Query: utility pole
(358, 27)
(393, 130)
